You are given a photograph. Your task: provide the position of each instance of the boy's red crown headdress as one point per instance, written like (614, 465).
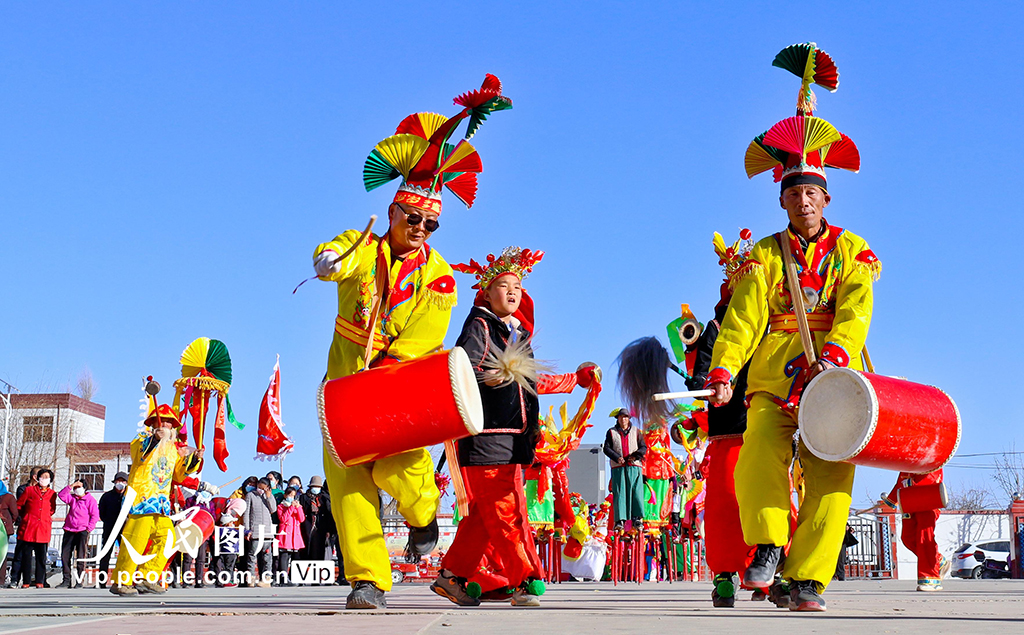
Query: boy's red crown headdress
(733, 257)
(419, 151)
(798, 149)
(513, 260)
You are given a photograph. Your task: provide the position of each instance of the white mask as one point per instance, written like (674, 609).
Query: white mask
(119, 486)
(204, 497)
(44, 482)
(79, 491)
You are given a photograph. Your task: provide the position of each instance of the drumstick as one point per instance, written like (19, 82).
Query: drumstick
(686, 394)
(362, 238)
(868, 366)
(229, 482)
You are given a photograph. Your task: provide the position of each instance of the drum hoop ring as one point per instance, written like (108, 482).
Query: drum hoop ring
(322, 416)
(870, 430)
(460, 403)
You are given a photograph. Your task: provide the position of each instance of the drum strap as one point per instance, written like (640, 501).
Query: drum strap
(795, 292)
(382, 280)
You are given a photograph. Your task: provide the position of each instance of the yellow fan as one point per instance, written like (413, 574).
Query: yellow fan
(193, 358)
(402, 151)
(818, 133)
(757, 160)
(461, 151)
(426, 122)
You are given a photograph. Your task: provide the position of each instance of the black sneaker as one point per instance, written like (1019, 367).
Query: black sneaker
(761, 572)
(66, 584)
(365, 595)
(448, 586)
(723, 594)
(778, 593)
(805, 595)
(422, 541)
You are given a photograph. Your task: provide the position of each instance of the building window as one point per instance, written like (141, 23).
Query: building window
(37, 429)
(91, 476)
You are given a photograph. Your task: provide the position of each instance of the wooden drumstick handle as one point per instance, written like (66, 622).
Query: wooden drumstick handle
(362, 237)
(797, 293)
(868, 366)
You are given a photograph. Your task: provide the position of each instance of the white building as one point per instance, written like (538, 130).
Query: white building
(65, 433)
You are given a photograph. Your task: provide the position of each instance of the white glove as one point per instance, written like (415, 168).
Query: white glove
(326, 263)
(209, 487)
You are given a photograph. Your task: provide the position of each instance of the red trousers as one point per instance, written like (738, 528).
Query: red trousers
(919, 536)
(723, 535)
(493, 545)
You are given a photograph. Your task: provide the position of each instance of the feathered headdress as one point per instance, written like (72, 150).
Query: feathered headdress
(798, 149)
(420, 153)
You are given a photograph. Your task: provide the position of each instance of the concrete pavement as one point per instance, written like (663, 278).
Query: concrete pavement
(965, 606)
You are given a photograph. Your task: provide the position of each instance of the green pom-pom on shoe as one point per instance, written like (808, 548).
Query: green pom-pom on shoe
(473, 590)
(536, 587)
(725, 588)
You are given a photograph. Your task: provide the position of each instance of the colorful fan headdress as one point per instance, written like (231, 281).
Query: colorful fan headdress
(206, 369)
(798, 149)
(420, 153)
(513, 260)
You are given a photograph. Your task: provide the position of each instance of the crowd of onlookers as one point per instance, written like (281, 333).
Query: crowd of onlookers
(275, 521)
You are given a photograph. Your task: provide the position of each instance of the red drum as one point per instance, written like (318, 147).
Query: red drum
(392, 409)
(922, 498)
(196, 528)
(878, 421)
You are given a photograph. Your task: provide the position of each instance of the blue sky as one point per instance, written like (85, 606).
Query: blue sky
(167, 169)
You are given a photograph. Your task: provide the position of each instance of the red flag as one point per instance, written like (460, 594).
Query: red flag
(271, 441)
(220, 444)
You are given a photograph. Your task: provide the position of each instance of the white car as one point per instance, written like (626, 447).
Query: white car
(965, 565)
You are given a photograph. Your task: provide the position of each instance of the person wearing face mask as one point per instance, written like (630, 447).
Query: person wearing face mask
(248, 485)
(36, 505)
(158, 461)
(318, 524)
(259, 533)
(289, 532)
(203, 499)
(296, 482)
(82, 516)
(110, 507)
(228, 514)
(16, 573)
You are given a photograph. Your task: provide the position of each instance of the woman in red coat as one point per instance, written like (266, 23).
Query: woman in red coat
(37, 504)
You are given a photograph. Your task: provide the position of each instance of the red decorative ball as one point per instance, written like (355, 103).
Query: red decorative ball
(745, 234)
(490, 257)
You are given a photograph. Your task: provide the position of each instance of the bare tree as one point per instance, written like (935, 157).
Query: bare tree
(970, 499)
(86, 385)
(1009, 473)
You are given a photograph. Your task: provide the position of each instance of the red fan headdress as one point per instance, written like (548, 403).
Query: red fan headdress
(798, 149)
(421, 154)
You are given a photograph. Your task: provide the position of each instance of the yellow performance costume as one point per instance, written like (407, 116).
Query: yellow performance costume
(420, 298)
(155, 467)
(836, 270)
(839, 325)
(404, 305)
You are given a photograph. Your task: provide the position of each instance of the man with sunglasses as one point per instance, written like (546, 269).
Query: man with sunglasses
(395, 296)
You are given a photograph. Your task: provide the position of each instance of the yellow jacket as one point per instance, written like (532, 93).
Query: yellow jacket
(839, 267)
(419, 304)
(154, 469)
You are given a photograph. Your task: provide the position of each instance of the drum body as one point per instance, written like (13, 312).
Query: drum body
(385, 411)
(878, 421)
(196, 528)
(922, 498)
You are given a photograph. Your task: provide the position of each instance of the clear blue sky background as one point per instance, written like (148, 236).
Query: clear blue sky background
(167, 168)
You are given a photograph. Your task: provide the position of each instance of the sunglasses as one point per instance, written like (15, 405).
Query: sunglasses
(414, 219)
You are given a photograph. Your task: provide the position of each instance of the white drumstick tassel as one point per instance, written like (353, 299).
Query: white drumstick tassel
(514, 364)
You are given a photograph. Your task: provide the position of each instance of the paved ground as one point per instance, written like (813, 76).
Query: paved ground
(981, 606)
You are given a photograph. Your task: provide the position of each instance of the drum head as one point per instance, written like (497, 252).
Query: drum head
(466, 390)
(838, 414)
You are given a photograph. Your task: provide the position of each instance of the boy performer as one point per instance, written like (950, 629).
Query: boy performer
(835, 274)
(158, 461)
(918, 532)
(395, 296)
(493, 555)
(726, 552)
